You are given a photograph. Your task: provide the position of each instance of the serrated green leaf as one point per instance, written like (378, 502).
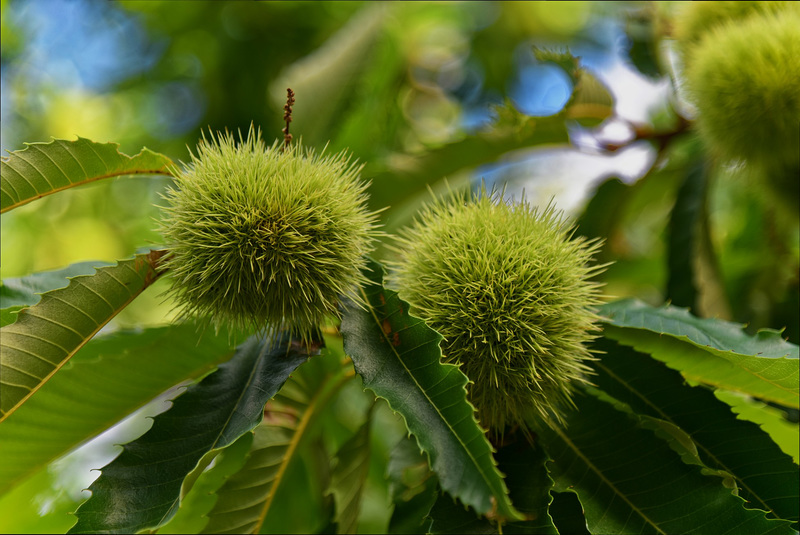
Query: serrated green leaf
(24, 291)
(529, 485)
(773, 421)
(710, 351)
(117, 373)
(718, 439)
(245, 503)
(45, 336)
(630, 481)
(398, 357)
(44, 168)
(140, 489)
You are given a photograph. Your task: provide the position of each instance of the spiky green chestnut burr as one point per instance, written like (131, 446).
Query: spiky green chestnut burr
(696, 19)
(744, 78)
(266, 237)
(508, 288)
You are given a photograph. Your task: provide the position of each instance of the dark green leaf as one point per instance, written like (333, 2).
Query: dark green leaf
(45, 336)
(348, 479)
(247, 501)
(412, 486)
(529, 485)
(773, 421)
(630, 481)
(722, 441)
(109, 378)
(684, 236)
(567, 514)
(140, 489)
(44, 168)
(197, 502)
(711, 351)
(398, 357)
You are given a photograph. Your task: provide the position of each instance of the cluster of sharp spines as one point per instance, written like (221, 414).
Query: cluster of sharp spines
(508, 288)
(263, 237)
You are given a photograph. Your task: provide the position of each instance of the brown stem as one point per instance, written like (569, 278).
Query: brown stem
(287, 116)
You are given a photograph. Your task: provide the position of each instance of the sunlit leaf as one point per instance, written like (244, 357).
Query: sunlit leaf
(45, 336)
(767, 477)
(108, 379)
(630, 481)
(773, 421)
(710, 351)
(44, 168)
(140, 488)
(398, 358)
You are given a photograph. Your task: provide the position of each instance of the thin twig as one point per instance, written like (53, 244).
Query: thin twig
(287, 116)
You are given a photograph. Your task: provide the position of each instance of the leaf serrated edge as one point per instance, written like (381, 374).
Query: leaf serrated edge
(637, 305)
(166, 169)
(511, 511)
(152, 260)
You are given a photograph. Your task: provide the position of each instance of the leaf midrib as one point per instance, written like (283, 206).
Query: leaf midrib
(70, 354)
(670, 420)
(424, 392)
(602, 477)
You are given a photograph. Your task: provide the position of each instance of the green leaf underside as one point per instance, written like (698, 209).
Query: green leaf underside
(245, 502)
(24, 291)
(115, 374)
(630, 481)
(45, 336)
(529, 485)
(398, 358)
(44, 168)
(711, 351)
(140, 489)
(767, 477)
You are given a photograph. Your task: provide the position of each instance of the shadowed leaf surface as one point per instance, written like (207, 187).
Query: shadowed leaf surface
(529, 486)
(246, 503)
(412, 486)
(630, 481)
(140, 489)
(398, 358)
(348, 479)
(767, 477)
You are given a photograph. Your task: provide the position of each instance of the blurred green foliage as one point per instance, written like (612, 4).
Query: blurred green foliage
(408, 87)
